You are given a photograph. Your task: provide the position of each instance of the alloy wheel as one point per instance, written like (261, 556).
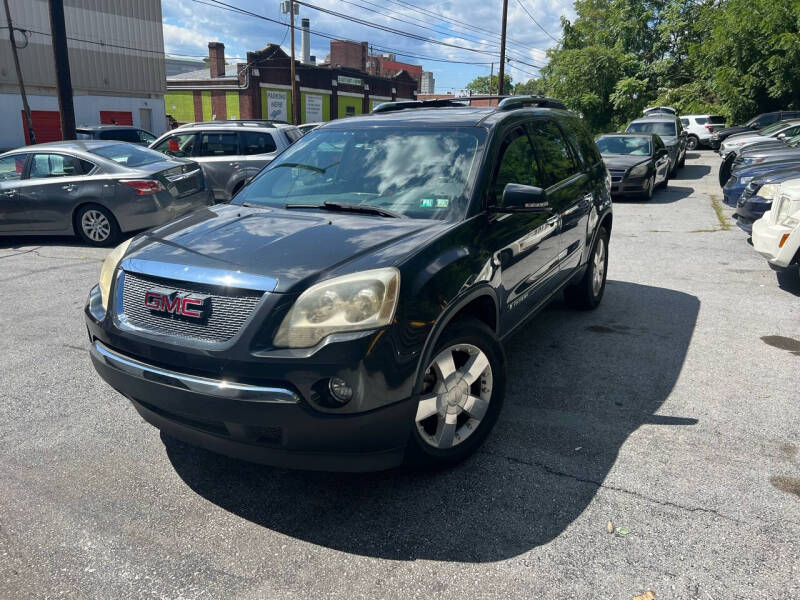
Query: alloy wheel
(95, 225)
(455, 398)
(598, 266)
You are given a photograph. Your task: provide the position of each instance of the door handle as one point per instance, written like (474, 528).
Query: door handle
(9, 193)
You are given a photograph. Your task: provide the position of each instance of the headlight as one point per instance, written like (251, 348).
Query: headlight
(638, 171)
(745, 180)
(788, 211)
(768, 191)
(108, 269)
(356, 302)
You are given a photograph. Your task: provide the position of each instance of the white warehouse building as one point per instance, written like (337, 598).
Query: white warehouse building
(116, 65)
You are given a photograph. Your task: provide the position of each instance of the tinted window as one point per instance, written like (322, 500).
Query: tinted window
(659, 144)
(180, 144)
(217, 144)
(86, 165)
(83, 135)
(146, 138)
(11, 167)
(582, 141)
(417, 172)
(790, 115)
(792, 131)
(658, 127)
(685, 122)
(765, 120)
(623, 144)
(54, 165)
(256, 142)
(129, 155)
(122, 135)
(717, 120)
(517, 164)
(554, 154)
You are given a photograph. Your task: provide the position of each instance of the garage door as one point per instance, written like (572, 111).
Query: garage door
(46, 125)
(116, 117)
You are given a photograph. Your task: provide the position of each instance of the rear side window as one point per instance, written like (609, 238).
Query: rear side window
(517, 164)
(699, 120)
(11, 167)
(217, 144)
(765, 120)
(293, 134)
(256, 142)
(144, 137)
(54, 165)
(554, 155)
(582, 141)
(717, 120)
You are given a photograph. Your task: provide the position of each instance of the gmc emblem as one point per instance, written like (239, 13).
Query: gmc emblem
(193, 306)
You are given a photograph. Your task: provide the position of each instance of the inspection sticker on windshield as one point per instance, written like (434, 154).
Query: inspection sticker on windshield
(442, 202)
(426, 202)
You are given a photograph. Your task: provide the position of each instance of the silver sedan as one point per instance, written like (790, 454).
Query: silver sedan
(95, 189)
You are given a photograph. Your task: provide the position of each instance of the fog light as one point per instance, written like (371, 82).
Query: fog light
(340, 390)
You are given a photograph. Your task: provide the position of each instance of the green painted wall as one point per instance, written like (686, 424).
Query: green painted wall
(205, 97)
(232, 105)
(345, 101)
(326, 106)
(264, 104)
(180, 104)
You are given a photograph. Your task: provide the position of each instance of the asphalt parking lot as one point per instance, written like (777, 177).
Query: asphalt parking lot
(671, 411)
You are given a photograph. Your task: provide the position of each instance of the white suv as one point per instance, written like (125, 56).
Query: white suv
(700, 128)
(776, 235)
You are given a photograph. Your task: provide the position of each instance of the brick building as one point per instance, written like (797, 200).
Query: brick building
(260, 88)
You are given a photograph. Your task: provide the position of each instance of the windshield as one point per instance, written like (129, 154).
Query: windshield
(129, 155)
(618, 144)
(662, 128)
(418, 173)
(772, 128)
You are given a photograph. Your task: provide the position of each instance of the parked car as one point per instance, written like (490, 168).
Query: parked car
(756, 154)
(306, 127)
(655, 110)
(230, 152)
(637, 162)
(94, 189)
(349, 315)
(756, 123)
(778, 131)
(699, 129)
(776, 235)
(668, 128)
(770, 159)
(757, 197)
(121, 133)
(737, 182)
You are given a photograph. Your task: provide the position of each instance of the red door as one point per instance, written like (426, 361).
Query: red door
(46, 126)
(116, 117)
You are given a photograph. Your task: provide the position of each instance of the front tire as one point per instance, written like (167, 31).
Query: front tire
(587, 293)
(651, 184)
(96, 226)
(789, 278)
(462, 394)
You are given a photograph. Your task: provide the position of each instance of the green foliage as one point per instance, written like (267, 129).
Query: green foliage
(480, 85)
(732, 57)
(531, 87)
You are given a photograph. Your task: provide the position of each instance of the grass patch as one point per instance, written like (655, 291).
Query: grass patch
(724, 223)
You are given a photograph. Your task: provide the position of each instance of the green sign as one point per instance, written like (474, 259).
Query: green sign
(348, 80)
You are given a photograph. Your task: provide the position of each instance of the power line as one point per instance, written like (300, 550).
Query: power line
(535, 21)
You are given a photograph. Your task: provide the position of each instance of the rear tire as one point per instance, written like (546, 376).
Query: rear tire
(587, 293)
(96, 226)
(692, 142)
(458, 405)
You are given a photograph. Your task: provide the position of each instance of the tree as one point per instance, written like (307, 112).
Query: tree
(480, 85)
(532, 87)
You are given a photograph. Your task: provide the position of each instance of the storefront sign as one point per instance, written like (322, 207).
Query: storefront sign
(313, 108)
(277, 106)
(349, 80)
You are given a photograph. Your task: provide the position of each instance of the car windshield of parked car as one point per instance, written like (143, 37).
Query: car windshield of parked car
(620, 144)
(129, 155)
(769, 130)
(418, 173)
(662, 128)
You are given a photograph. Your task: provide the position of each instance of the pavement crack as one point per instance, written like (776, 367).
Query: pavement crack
(600, 484)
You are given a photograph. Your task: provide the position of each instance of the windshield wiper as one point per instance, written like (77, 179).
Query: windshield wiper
(307, 167)
(346, 207)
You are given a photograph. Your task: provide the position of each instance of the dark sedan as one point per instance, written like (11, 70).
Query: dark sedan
(738, 181)
(637, 162)
(758, 196)
(758, 122)
(94, 189)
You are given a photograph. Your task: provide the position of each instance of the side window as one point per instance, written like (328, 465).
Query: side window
(517, 164)
(659, 143)
(256, 142)
(792, 131)
(11, 167)
(293, 134)
(582, 142)
(685, 122)
(218, 144)
(86, 166)
(768, 119)
(144, 137)
(553, 151)
(54, 165)
(180, 144)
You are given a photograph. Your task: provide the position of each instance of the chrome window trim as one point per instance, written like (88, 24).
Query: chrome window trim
(193, 383)
(206, 275)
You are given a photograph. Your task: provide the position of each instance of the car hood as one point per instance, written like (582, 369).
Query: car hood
(778, 176)
(773, 153)
(766, 167)
(293, 247)
(623, 161)
(736, 129)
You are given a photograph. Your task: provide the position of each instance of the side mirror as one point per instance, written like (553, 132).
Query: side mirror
(781, 136)
(523, 198)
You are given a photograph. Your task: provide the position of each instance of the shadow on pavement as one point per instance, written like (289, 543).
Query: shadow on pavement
(672, 194)
(692, 172)
(579, 385)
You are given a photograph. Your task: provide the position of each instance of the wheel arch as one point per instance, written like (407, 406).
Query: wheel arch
(84, 203)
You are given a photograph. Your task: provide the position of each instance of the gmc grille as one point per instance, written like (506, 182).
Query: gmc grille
(230, 308)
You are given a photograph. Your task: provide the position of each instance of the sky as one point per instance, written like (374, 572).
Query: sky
(475, 24)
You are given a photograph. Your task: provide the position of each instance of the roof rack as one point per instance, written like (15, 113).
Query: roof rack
(506, 103)
(237, 123)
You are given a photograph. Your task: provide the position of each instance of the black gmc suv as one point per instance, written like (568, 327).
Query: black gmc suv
(346, 310)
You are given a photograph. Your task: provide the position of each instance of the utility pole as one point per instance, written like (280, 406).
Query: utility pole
(295, 100)
(491, 76)
(26, 108)
(63, 78)
(501, 73)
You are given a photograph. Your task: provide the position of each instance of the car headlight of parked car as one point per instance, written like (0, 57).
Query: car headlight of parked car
(638, 171)
(745, 180)
(788, 211)
(356, 302)
(768, 191)
(108, 269)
